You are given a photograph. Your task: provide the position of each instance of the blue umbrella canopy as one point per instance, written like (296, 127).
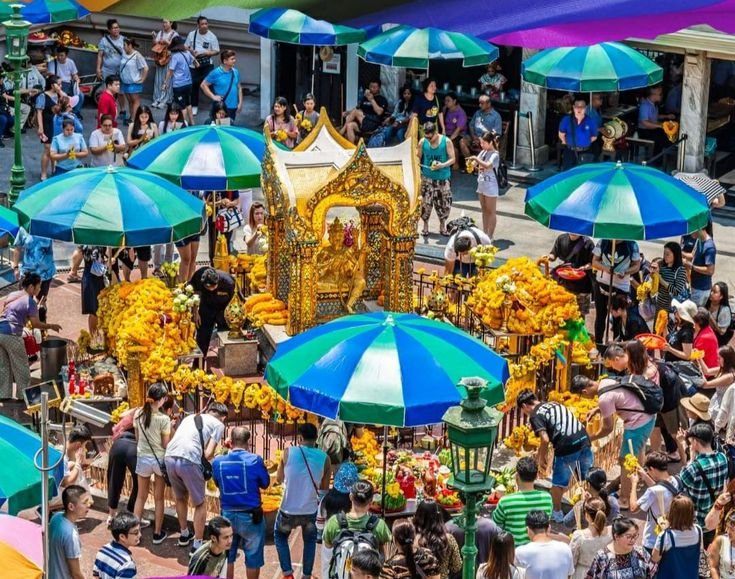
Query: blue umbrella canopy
(416, 47)
(111, 206)
(286, 25)
(8, 222)
(617, 201)
(609, 66)
(205, 157)
(20, 481)
(45, 11)
(383, 368)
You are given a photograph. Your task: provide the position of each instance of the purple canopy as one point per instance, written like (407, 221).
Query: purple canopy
(720, 16)
(484, 20)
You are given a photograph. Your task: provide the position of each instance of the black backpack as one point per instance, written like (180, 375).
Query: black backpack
(350, 541)
(674, 388)
(501, 174)
(649, 393)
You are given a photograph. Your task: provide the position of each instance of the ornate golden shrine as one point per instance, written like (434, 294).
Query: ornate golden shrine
(342, 224)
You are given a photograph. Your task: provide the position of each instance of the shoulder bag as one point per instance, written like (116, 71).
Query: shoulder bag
(308, 469)
(206, 466)
(113, 45)
(161, 464)
(203, 60)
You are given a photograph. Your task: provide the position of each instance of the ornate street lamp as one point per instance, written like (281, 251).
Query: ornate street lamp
(472, 429)
(16, 36)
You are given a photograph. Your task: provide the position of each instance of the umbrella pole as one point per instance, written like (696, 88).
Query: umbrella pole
(44, 480)
(313, 67)
(385, 470)
(610, 293)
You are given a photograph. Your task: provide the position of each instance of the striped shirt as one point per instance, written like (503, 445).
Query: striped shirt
(566, 433)
(114, 562)
(510, 514)
(676, 280)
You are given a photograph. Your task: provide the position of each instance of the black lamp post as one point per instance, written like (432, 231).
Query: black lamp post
(16, 36)
(472, 429)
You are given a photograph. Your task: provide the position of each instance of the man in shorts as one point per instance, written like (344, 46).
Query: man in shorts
(556, 425)
(240, 475)
(194, 441)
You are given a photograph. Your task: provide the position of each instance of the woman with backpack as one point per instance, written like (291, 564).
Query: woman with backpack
(429, 524)
(406, 560)
(718, 306)
(678, 548)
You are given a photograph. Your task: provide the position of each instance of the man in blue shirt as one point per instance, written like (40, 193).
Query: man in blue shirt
(486, 119)
(701, 261)
(240, 475)
(649, 120)
(33, 254)
(223, 84)
(577, 132)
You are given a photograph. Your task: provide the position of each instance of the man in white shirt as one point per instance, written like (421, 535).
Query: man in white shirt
(194, 443)
(457, 259)
(203, 45)
(543, 557)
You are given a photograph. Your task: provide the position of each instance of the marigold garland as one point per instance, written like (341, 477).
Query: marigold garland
(140, 318)
(540, 305)
(238, 393)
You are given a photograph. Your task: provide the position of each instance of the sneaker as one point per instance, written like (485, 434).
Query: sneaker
(196, 544)
(185, 538)
(159, 538)
(557, 516)
(194, 111)
(144, 523)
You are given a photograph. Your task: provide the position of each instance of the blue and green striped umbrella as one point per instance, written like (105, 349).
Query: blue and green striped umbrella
(292, 26)
(383, 368)
(605, 67)
(8, 222)
(112, 206)
(20, 481)
(205, 157)
(45, 11)
(617, 201)
(411, 47)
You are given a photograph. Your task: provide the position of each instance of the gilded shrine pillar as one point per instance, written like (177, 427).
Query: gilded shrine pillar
(278, 258)
(372, 221)
(302, 292)
(398, 274)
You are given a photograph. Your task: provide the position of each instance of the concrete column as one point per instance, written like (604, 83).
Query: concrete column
(267, 76)
(533, 100)
(694, 105)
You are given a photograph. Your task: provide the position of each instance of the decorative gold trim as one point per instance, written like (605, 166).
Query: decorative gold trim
(326, 124)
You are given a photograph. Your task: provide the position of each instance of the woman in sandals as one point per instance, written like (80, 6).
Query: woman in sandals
(153, 432)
